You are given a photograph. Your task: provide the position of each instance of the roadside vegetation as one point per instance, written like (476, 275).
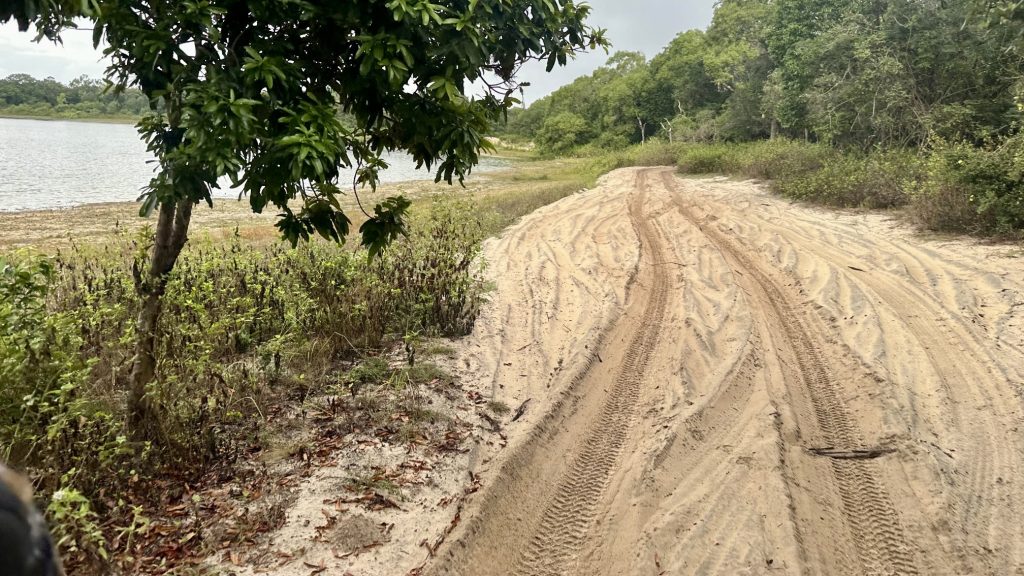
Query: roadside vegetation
(133, 372)
(254, 335)
(853, 104)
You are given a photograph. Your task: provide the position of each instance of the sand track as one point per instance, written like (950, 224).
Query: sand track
(721, 382)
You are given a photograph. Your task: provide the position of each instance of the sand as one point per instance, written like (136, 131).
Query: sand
(716, 381)
(723, 382)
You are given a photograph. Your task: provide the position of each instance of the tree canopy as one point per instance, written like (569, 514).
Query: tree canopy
(855, 74)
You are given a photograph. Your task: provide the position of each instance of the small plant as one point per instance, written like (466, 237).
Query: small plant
(498, 408)
(75, 524)
(423, 373)
(438, 349)
(375, 370)
(377, 481)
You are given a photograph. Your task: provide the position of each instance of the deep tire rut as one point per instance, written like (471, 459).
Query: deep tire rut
(561, 534)
(868, 510)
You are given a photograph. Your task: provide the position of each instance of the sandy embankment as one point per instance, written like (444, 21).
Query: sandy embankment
(722, 382)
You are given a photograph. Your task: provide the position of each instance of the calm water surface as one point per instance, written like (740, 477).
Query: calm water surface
(56, 164)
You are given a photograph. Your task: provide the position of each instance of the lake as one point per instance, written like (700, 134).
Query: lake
(58, 164)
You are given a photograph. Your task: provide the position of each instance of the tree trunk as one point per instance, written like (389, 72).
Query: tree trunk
(144, 416)
(775, 129)
(666, 125)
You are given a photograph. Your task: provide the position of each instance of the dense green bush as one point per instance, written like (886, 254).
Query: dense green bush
(709, 159)
(654, 153)
(974, 189)
(779, 159)
(765, 160)
(877, 180)
(560, 134)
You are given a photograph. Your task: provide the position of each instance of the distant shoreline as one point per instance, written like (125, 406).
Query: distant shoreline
(90, 120)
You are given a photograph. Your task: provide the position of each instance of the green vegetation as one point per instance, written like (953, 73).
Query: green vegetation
(249, 330)
(251, 92)
(868, 103)
(82, 99)
(959, 188)
(153, 358)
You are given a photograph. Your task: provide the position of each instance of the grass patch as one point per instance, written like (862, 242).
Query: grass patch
(375, 482)
(498, 408)
(435, 348)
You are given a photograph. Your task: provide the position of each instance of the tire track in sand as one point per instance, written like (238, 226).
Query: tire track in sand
(956, 346)
(867, 509)
(562, 531)
(554, 485)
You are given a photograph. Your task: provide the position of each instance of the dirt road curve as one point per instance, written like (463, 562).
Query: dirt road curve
(720, 382)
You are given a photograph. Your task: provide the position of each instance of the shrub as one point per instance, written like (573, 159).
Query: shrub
(974, 189)
(709, 159)
(244, 328)
(765, 159)
(561, 133)
(654, 153)
(876, 180)
(780, 158)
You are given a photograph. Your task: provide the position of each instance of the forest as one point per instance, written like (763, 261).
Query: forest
(82, 98)
(870, 103)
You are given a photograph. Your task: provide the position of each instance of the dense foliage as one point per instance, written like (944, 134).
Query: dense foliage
(247, 329)
(893, 103)
(855, 74)
(252, 329)
(83, 97)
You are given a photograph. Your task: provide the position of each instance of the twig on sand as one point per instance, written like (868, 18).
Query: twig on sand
(859, 454)
(521, 410)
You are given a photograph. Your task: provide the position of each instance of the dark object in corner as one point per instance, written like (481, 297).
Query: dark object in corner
(26, 548)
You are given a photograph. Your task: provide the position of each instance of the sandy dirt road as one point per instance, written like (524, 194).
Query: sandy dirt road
(717, 381)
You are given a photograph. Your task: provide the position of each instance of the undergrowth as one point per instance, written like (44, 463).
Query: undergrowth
(244, 331)
(948, 187)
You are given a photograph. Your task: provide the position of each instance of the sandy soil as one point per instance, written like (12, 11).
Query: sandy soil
(722, 382)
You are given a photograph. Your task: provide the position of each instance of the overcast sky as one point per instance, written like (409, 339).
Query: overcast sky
(641, 25)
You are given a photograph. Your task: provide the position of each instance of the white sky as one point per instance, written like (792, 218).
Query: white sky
(639, 25)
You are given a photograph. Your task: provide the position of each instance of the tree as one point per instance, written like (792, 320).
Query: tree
(739, 65)
(681, 82)
(250, 90)
(561, 132)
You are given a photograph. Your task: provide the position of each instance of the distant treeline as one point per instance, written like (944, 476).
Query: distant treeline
(83, 97)
(856, 74)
